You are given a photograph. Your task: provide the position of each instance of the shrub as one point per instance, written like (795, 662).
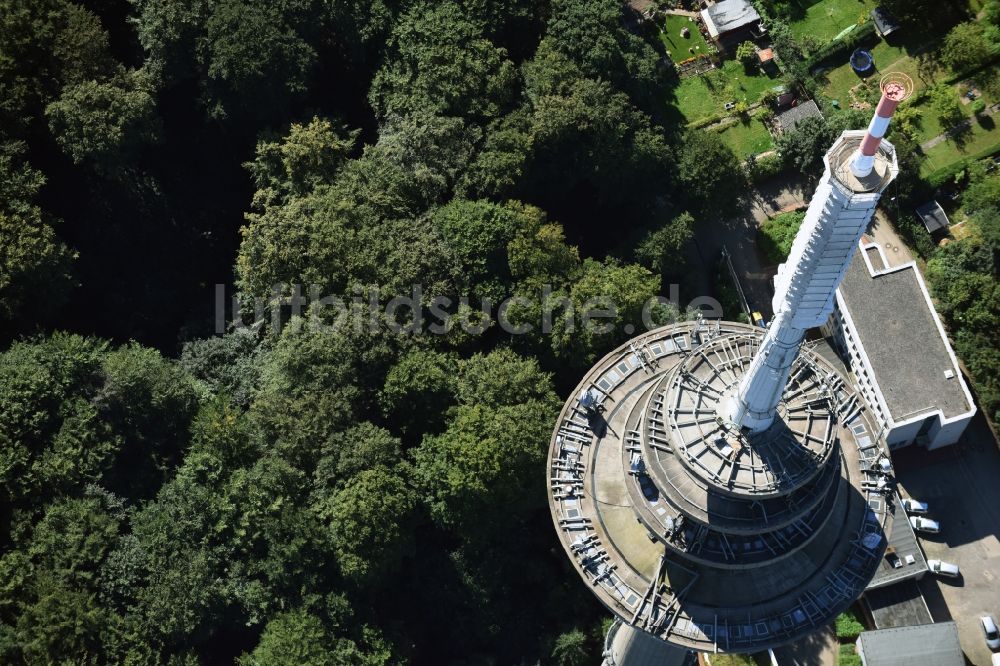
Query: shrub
(760, 169)
(775, 236)
(848, 656)
(848, 626)
(841, 49)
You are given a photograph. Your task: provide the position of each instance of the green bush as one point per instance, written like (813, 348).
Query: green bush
(760, 169)
(848, 626)
(848, 656)
(775, 237)
(840, 49)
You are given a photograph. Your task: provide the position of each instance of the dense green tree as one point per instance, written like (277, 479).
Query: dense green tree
(967, 46)
(541, 255)
(571, 649)
(418, 389)
(946, 106)
(308, 390)
(498, 168)
(482, 470)
(256, 59)
(482, 473)
(293, 638)
(592, 35)
(104, 123)
(803, 147)
(614, 148)
(478, 234)
(502, 377)
(709, 173)
(44, 46)
(227, 364)
(746, 53)
(19, 182)
(294, 165)
(347, 453)
(915, 12)
(149, 402)
(50, 439)
(605, 299)
(35, 266)
(662, 249)
(48, 605)
(439, 61)
(370, 524)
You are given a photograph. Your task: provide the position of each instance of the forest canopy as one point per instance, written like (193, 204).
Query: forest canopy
(294, 493)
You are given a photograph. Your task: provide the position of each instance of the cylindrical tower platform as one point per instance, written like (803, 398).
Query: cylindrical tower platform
(706, 536)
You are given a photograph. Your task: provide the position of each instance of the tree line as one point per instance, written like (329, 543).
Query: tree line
(302, 495)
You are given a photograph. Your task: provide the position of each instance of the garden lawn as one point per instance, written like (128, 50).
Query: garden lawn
(981, 141)
(837, 83)
(677, 46)
(825, 19)
(750, 137)
(699, 97)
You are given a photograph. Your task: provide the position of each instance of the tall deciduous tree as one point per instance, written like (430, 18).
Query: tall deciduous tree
(440, 62)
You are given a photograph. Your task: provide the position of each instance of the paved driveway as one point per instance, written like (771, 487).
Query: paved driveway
(739, 235)
(962, 485)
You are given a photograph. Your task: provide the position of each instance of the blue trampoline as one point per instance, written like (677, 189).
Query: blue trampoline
(862, 62)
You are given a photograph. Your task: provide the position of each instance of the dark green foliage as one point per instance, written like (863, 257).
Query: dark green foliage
(415, 389)
(947, 106)
(591, 34)
(104, 123)
(439, 61)
(775, 237)
(370, 524)
(963, 276)
(149, 403)
(34, 267)
(915, 12)
(76, 413)
(347, 453)
(968, 46)
(229, 364)
(848, 656)
(710, 173)
(661, 248)
(848, 626)
(803, 147)
(571, 649)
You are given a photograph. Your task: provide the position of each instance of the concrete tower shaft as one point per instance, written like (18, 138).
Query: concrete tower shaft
(859, 166)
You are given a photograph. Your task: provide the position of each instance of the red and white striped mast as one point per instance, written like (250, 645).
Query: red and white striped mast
(895, 88)
(839, 212)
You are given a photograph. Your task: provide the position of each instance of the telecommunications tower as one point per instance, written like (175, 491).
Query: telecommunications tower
(722, 488)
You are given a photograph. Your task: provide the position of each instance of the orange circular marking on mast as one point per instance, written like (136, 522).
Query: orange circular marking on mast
(896, 86)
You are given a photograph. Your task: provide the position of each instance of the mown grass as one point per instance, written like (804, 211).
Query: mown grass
(824, 20)
(981, 140)
(747, 137)
(698, 97)
(681, 48)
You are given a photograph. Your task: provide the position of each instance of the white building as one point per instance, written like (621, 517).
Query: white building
(887, 331)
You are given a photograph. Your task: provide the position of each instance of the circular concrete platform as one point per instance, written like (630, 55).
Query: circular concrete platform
(696, 531)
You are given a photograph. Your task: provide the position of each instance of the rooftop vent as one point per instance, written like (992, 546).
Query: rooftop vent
(949, 374)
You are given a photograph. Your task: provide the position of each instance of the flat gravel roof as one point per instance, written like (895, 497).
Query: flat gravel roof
(898, 329)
